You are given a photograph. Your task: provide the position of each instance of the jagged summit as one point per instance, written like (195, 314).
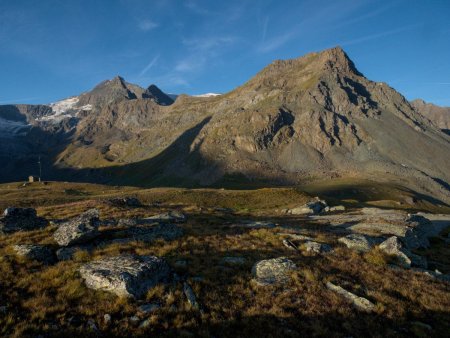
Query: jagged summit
(158, 96)
(314, 116)
(107, 92)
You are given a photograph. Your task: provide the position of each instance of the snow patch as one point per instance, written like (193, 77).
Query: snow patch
(207, 95)
(10, 128)
(62, 106)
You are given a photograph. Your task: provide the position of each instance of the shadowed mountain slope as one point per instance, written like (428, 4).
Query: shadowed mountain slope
(303, 119)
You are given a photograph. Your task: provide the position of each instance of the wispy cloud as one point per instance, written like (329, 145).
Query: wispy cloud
(196, 8)
(150, 65)
(378, 35)
(201, 50)
(147, 24)
(321, 18)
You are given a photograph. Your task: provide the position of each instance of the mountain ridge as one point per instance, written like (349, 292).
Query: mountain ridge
(314, 116)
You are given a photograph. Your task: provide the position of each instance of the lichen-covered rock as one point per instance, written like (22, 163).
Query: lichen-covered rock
(310, 208)
(360, 303)
(173, 216)
(316, 248)
(78, 230)
(272, 271)
(405, 258)
(126, 275)
(40, 253)
(358, 242)
(21, 219)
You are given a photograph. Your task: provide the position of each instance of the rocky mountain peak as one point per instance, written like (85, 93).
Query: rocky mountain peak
(337, 60)
(107, 92)
(157, 95)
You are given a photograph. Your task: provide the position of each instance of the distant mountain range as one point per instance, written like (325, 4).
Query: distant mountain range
(308, 118)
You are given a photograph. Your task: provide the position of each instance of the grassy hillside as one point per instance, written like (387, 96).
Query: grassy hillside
(53, 300)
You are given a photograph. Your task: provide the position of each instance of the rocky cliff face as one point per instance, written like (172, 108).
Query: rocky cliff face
(310, 117)
(440, 116)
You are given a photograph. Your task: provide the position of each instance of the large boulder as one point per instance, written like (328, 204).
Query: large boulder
(272, 271)
(404, 258)
(40, 253)
(310, 208)
(316, 248)
(21, 219)
(126, 275)
(78, 230)
(358, 242)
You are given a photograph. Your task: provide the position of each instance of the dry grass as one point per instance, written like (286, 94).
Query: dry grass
(53, 300)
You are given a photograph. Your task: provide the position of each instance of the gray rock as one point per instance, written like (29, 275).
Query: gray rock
(255, 224)
(230, 260)
(272, 271)
(393, 246)
(173, 216)
(413, 230)
(129, 222)
(337, 208)
(126, 275)
(358, 242)
(21, 219)
(289, 244)
(190, 296)
(78, 230)
(40, 253)
(310, 208)
(149, 308)
(316, 248)
(3, 309)
(433, 274)
(360, 303)
(295, 237)
(107, 318)
(134, 319)
(145, 323)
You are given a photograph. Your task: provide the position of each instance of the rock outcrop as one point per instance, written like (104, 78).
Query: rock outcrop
(78, 230)
(358, 242)
(405, 258)
(360, 303)
(310, 208)
(273, 271)
(126, 275)
(40, 253)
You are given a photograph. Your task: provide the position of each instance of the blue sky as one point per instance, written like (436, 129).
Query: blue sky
(52, 49)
